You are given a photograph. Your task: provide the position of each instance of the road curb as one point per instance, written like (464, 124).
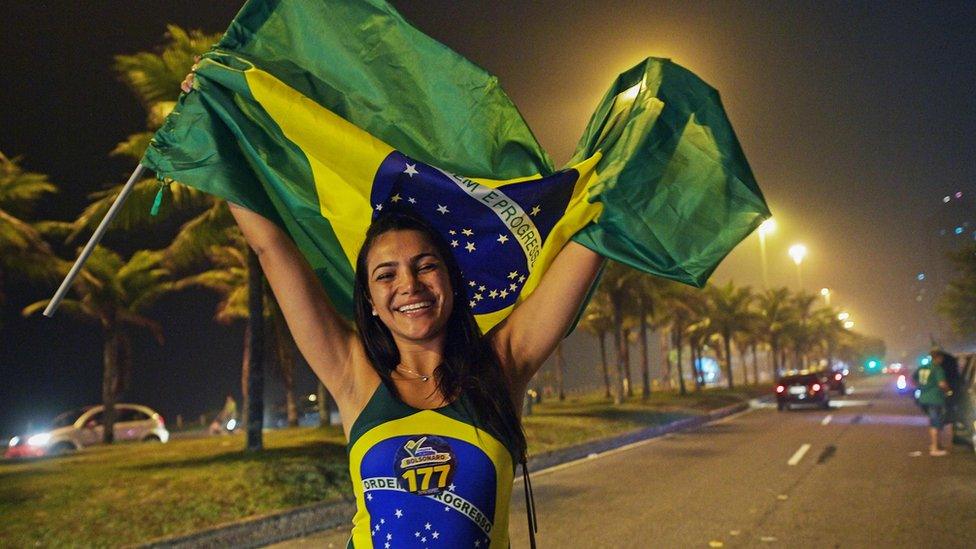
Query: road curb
(264, 530)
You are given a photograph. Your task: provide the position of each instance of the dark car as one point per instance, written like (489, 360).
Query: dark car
(965, 402)
(835, 381)
(806, 389)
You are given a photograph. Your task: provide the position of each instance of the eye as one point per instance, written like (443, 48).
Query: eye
(384, 276)
(428, 267)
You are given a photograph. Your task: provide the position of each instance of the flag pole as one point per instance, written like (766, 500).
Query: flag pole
(52, 306)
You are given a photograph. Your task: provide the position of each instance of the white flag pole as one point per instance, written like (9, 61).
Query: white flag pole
(52, 306)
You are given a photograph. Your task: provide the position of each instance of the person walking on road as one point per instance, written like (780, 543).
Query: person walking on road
(950, 366)
(227, 413)
(930, 379)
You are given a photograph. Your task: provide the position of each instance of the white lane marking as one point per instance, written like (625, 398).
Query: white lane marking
(630, 446)
(798, 455)
(827, 419)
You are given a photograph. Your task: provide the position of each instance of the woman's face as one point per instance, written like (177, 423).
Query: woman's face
(409, 286)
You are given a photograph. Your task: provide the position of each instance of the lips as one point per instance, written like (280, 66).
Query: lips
(415, 307)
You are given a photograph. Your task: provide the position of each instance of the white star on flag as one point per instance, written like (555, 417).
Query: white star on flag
(386, 545)
(424, 539)
(472, 283)
(411, 200)
(504, 294)
(369, 497)
(472, 304)
(502, 238)
(481, 288)
(399, 513)
(411, 170)
(389, 537)
(442, 209)
(477, 297)
(454, 244)
(469, 246)
(446, 508)
(395, 198)
(535, 211)
(492, 294)
(512, 287)
(477, 543)
(427, 526)
(416, 534)
(382, 521)
(452, 231)
(451, 487)
(521, 279)
(512, 275)
(435, 535)
(467, 232)
(379, 207)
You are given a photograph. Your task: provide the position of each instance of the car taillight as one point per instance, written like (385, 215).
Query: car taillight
(780, 388)
(162, 422)
(838, 377)
(816, 387)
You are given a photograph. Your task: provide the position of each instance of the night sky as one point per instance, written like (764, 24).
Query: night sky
(857, 119)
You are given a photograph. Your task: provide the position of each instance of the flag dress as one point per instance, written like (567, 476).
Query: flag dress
(427, 478)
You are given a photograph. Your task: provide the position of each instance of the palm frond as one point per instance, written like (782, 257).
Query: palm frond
(19, 190)
(134, 146)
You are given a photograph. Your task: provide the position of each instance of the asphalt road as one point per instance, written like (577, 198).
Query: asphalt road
(858, 475)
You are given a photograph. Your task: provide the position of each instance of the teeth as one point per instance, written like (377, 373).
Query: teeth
(414, 306)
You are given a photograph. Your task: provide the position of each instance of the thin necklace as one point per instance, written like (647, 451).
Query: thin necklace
(421, 377)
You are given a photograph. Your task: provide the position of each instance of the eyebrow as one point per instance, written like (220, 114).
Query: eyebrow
(413, 259)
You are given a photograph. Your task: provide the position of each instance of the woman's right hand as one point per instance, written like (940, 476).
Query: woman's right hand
(187, 84)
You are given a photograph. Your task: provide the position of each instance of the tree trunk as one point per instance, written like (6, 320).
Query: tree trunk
(286, 365)
(254, 390)
(625, 349)
(666, 336)
(679, 345)
(744, 365)
(603, 363)
(727, 343)
(645, 367)
(322, 403)
(755, 364)
(110, 375)
(560, 366)
(693, 351)
(618, 337)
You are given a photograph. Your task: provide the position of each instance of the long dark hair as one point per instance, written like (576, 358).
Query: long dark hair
(470, 366)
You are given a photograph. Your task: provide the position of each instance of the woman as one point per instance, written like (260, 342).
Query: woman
(429, 405)
(416, 376)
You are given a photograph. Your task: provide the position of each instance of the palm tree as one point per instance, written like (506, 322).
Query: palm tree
(729, 307)
(677, 300)
(798, 328)
(597, 319)
(773, 314)
(958, 302)
(23, 250)
(649, 290)
(618, 283)
(116, 293)
(236, 277)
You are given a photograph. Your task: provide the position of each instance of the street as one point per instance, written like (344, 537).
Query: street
(858, 475)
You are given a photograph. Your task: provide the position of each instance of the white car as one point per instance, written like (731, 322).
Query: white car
(75, 429)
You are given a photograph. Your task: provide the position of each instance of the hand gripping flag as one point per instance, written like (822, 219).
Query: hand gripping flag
(320, 114)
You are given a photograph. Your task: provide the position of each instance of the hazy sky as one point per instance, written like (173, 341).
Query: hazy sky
(857, 119)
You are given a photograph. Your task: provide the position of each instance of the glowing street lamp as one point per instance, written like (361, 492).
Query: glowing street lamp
(849, 325)
(767, 226)
(844, 315)
(798, 252)
(825, 292)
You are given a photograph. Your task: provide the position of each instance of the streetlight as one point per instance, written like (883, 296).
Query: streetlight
(843, 315)
(766, 227)
(798, 252)
(849, 324)
(825, 292)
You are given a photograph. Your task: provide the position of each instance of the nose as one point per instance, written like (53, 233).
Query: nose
(411, 283)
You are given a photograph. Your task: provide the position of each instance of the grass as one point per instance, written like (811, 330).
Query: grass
(132, 493)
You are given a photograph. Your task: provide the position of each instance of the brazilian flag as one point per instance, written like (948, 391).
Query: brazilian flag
(320, 114)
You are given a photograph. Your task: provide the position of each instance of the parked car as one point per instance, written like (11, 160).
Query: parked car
(75, 429)
(806, 389)
(965, 412)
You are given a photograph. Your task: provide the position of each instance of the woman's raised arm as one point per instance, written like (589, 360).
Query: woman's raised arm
(328, 343)
(525, 339)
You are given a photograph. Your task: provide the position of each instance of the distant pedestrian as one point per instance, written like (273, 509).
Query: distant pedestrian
(950, 366)
(227, 413)
(931, 382)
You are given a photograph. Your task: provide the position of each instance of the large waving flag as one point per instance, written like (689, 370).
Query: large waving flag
(319, 114)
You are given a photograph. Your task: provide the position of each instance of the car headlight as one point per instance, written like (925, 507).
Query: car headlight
(40, 439)
(14, 442)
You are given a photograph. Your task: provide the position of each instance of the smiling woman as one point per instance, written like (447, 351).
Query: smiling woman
(429, 404)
